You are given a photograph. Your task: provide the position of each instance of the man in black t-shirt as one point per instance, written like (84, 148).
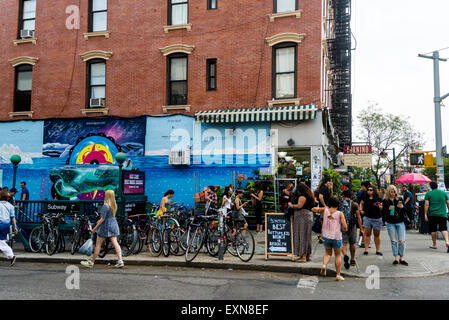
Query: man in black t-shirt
(325, 192)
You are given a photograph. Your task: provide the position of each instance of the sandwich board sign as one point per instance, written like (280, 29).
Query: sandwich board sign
(278, 235)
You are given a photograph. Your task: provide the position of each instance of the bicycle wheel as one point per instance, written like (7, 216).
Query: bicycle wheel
(51, 245)
(75, 242)
(104, 248)
(128, 240)
(36, 240)
(166, 242)
(61, 242)
(195, 243)
(175, 242)
(245, 245)
(155, 241)
(231, 243)
(212, 242)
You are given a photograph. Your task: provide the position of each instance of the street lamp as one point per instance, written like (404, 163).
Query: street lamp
(120, 158)
(15, 160)
(384, 155)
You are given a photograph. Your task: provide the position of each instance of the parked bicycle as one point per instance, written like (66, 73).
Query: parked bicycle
(48, 235)
(127, 239)
(81, 231)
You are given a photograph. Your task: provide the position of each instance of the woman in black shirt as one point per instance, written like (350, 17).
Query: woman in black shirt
(370, 208)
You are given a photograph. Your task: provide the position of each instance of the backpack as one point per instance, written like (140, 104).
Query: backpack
(350, 216)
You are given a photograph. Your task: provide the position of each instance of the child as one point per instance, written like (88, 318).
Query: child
(333, 222)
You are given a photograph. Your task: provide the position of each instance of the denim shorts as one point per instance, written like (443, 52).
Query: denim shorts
(369, 223)
(332, 244)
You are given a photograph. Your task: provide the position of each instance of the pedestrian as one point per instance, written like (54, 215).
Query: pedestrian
(333, 222)
(435, 213)
(370, 208)
(227, 201)
(258, 205)
(6, 217)
(362, 192)
(303, 222)
(285, 197)
(24, 195)
(353, 219)
(106, 227)
(239, 216)
(166, 202)
(393, 214)
(407, 197)
(12, 200)
(324, 194)
(212, 197)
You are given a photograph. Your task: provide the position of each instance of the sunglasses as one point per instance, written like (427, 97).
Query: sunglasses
(370, 190)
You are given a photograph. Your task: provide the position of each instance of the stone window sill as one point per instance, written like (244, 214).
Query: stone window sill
(274, 16)
(272, 103)
(188, 27)
(23, 41)
(96, 34)
(176, 107)
(28, 114)
(104, 111)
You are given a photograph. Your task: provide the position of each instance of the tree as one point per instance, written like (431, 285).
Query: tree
(384, 131)
(431, 173)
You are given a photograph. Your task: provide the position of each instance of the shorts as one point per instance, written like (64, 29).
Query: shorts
(350, 235)
(332, 244)
(369, 223)
(437, 224)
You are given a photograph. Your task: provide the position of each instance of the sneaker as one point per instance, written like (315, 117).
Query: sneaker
(379, 253)
(119, 264)
(403, 262)
(87, 263)
(346, 260)
(395, 262)
(13, 261)
(340, 278)
(353, 264)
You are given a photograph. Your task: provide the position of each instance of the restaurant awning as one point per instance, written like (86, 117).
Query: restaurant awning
(290, 113)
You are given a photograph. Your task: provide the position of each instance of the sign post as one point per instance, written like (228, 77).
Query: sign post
(278, 235)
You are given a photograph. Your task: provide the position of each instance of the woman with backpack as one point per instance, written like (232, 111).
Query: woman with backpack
(303, 222)
(394, 215)
(351, 212)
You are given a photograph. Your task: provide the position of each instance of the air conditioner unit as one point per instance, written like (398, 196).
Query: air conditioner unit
(26, 34)
(180, 157)
(97, 103)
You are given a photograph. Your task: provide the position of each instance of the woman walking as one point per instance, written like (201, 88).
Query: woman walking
(394, 213)
(370, 208)
(303, 222)
(227, 201)
(107, 227)
(258, 205)
(333, 222)
(166, 202)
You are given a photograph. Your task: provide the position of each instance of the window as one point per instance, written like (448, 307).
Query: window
(27, 19)
(284, 70)
(98, 15)
(22, 95)
(211, 65)
(211, 4)
(285, 5)
(178, 12)
(96, 80)
(177, 79)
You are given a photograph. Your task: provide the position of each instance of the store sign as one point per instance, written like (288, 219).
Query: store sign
(133, 182)
(358, 156)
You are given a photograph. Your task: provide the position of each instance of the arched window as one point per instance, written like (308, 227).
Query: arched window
(285, 65)
(23, 85)
(177, 70)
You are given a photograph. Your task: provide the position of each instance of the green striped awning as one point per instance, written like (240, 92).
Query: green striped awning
(291, 113)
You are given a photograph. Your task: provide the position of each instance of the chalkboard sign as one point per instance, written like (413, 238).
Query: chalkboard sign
(278, 235)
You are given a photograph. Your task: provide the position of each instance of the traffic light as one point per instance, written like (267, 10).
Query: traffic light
(428, 160)
(418, 159)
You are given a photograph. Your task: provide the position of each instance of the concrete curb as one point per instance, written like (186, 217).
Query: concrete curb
(303, 270)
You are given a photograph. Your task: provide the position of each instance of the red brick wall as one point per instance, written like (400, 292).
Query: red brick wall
(136, 77)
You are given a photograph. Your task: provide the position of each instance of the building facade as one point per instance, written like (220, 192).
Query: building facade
(218, 84)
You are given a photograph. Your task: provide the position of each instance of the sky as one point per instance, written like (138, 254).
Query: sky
(389, 35)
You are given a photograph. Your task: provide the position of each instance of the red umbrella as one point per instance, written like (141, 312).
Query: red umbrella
(413, 178)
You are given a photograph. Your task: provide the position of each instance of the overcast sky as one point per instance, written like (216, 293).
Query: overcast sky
(386, 67)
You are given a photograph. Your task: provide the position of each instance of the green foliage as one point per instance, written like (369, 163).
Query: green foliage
(356, 185)
(336, 179)
(431, 173)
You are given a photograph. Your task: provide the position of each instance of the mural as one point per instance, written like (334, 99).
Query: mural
(23, 138)
(61, 135)
(94, 149)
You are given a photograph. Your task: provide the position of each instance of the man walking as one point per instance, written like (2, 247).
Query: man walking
(435, 213)
(25, 194)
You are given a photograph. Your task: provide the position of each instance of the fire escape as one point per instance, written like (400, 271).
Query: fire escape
(340, 66)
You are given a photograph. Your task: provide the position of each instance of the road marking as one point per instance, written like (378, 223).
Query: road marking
(309, 283)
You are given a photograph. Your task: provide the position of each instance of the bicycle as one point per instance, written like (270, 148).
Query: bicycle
(81, 231)
(48, 235)
(127, 239)
(201, 232)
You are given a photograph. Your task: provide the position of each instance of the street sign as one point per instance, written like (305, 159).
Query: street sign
(278, 235)
(360, 156)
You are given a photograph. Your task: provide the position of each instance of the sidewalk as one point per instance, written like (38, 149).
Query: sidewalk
(422, 260)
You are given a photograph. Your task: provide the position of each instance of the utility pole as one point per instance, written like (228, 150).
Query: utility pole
(437, 101)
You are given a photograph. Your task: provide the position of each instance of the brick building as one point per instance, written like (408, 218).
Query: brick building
(174, 58)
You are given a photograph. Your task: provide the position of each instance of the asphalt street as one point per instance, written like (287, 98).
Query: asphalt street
(49, 281)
